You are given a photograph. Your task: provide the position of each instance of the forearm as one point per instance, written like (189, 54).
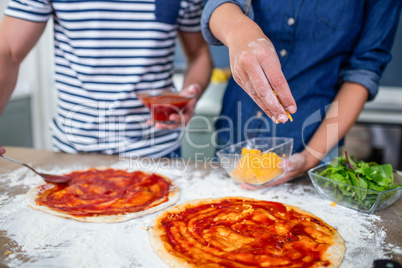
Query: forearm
(340, 117)
(17, 37)
(199, 69)
(8, 76)
(198, 73)
(228, 30)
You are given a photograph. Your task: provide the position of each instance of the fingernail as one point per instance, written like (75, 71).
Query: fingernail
(282, 118)
(194, 88)
(291, 109)
(274, 119)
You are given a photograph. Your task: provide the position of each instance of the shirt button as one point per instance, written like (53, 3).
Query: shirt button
(283, 53)
(291, 21)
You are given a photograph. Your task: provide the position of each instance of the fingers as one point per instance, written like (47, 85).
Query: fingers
(284, 179)
(264, 109)
(266, 95)
(242, 79)
(248, 87)
(294, 169)
(250, 187)
(193, 89)
(258, 71)
(275, 183)
(296, 162)
(271, 66)
(181, 118)
(168, 126)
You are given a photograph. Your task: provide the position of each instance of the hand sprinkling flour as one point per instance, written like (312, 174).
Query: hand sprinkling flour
(256, 68)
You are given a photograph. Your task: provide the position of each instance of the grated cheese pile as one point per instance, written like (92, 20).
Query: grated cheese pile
(256, 167)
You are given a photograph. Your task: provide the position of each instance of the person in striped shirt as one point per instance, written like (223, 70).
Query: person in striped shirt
(105, 52)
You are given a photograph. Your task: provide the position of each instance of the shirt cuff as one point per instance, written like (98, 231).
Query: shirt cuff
(210, 7)
(366, 78)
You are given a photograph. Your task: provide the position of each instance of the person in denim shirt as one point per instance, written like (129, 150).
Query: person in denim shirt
(326, 56)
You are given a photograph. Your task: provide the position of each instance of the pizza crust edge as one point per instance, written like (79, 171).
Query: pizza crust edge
(335, 253)
(174, 195)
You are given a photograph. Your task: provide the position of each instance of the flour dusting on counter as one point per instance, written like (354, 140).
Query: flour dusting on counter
(38, 239)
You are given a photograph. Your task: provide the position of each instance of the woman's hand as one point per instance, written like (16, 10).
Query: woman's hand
(295, 167)
(183, 118)
(256, 68)
(253, 60)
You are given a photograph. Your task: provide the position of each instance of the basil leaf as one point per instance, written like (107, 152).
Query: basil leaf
(365, 176)
(381, 173)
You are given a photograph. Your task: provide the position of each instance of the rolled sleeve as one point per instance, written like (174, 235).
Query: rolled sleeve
(210, 7)
(189, 21)
(32, 10)
(368, 79)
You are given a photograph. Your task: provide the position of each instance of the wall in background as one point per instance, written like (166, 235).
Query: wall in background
(220, 56)
(393, 73)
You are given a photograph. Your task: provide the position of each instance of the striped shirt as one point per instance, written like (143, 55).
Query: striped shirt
(105, 52)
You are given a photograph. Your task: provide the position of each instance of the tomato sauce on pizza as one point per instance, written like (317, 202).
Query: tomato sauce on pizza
(105, 192)
(245, 233)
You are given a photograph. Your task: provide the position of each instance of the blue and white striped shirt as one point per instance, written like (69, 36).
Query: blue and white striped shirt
(105, 52)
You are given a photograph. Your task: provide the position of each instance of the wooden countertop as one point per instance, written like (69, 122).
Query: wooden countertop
(391, 217)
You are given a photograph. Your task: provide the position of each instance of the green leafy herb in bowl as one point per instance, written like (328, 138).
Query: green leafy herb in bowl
(364, 186)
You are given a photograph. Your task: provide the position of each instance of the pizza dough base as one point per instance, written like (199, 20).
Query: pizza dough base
(173, 196)
(334, 253)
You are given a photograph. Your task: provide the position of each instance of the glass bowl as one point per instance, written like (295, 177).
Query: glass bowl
(164, 102)
(373, 200)
(257, 168)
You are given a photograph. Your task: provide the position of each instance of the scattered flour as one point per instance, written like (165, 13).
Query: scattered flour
(43, 240)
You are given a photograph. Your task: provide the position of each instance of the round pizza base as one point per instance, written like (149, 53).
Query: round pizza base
(334, 253)
(173, 196)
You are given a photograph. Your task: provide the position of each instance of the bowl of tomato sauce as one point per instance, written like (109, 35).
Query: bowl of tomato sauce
(164, 102)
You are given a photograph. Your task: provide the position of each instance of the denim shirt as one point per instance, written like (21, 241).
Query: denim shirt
(320, 44)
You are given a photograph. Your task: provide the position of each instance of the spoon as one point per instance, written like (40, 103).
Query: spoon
(46, 177)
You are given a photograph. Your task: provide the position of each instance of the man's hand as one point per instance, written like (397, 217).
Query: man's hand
(196, 77)
(253, 60)
(183, 118)
(2, 150)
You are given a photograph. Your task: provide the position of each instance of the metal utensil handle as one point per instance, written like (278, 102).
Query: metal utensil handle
(18, 162)
(15, 161)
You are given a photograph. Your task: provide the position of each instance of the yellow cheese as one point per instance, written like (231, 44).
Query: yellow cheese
(256, 167)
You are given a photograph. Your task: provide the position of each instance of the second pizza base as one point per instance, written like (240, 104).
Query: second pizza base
(244, 232)
(93, 192)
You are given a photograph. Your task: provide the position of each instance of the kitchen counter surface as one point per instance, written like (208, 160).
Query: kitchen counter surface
(192, 177)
